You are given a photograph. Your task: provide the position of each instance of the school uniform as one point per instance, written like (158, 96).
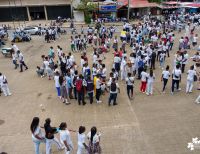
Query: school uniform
(190, 80)
(65, 136)
(4, 85)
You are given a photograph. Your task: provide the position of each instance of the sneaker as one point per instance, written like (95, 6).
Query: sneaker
(9, 94)
(172, 93)
(115, 104)
(179, 89)
(147, 94)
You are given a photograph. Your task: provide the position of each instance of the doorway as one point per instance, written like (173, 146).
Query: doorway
(37, 13)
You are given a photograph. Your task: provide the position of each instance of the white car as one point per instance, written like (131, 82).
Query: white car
(31, 30)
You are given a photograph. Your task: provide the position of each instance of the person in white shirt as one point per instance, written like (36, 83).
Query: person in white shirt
(184, 61)
(65, 138)
(14, 47)
(57, 84)
(94, 141)
(123, 68)
(165, 77)
(117, 61)
(98, 89)
(130, 85)
(4, 85)
(37, 135)
(114, 89)
(21, 61)
(190, 79)
(81, 140)
(150, 81)
(176, 78)
(162, 59)
(144, 77)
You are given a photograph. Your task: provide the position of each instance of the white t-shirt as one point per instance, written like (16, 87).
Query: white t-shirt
(191, 74)
(46, 64)
(144, 76)
(56, 79)
(166, 74)
(130, 81)
(117, 59)
(81, 140)
(176, 74)
(2, 80)
(65, 136)
(37, 132)
(95, 138)
(104, 72)
(98, 83)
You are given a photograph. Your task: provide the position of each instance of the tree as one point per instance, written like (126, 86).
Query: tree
(87, 7)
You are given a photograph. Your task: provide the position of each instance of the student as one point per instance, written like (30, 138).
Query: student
(144, 77)
(40, 71)
(190, 79)
(98, 89)
(150, 81)
(37, 135)
(50, 139)
(21, 61)
(65, 138)
(90, 89)
(57, 84)
(130, 85)
(165, 77)
(4, 85)
(81, 140)
(162, 59)
(63, 90)
(80, 90)
(176, 78)
(114, 88)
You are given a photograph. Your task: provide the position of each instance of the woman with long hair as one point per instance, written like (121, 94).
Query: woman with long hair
(94, 141)
(37, 135)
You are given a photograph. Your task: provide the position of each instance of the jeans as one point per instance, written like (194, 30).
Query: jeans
(113, 96)
(162, 63)
(49, 143)
(129, 88)
(173, 83)
(150, 88)
(98, 94)
(90, 94)
(164, 83)
(189, 86)
(81, 97)
(58, 91)
(21, 66)
(75, 93)
(183, 68)
(15, 63)
(37, 145)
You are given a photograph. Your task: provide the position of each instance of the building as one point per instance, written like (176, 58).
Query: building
(19, 10)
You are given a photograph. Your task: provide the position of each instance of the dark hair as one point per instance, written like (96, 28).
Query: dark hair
(129, 74)
(34, 124)
(93, 132)
(61, 79)
(192, 67)
(81, 129)
(62, 126)
(167, 68)
(48, 121)
(151, 73)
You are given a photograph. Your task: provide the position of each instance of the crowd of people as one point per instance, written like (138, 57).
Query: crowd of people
(65, 143)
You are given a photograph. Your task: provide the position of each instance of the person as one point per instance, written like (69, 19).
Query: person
(190, 79)
(114, 88)
(94, 141)
(40, 71)
(80, 90)
(57, 84)
(176, 78)
(21, 61)
(81, 140)
(153, 59)
(130, 85)
(14, 58)
(63, 90)
(37, 135)
(49, 135)
(98, 88)
(144, 77)
(198, 100)
(150, 81)
(4, 85)
(65, 138)
(90, 89)
(165, 77)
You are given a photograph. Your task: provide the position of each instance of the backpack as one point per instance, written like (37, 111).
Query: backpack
(113, 87)
(90, 85)
(79, 84)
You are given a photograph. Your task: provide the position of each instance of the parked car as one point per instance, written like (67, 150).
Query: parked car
(31, 30)
(7, 52)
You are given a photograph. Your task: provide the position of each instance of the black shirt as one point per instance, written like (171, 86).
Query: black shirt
(50, 131)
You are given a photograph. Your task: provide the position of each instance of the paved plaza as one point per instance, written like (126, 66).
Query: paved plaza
(158, 124)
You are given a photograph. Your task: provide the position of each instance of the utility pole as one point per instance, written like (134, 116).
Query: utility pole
(128, 10)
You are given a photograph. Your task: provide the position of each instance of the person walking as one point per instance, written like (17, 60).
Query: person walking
(94, 141)
(190, 79)
(81, 140)
(176, 78)
(21, 61)
(150, 81)
(130, 85)
(165, 77)
(57, 84)
(114, 89)
(65, 138)
(37, 135)
(49, 135)
(144, 77)
(4, 85)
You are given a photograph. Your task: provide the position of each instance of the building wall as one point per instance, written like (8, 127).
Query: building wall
(13, 13)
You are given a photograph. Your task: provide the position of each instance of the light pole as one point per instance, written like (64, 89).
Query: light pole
(128, 12)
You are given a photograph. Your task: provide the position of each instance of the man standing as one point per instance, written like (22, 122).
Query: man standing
(153, 59)
(4, 85)
(21, 61)
(176, 78)
(114, 88)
